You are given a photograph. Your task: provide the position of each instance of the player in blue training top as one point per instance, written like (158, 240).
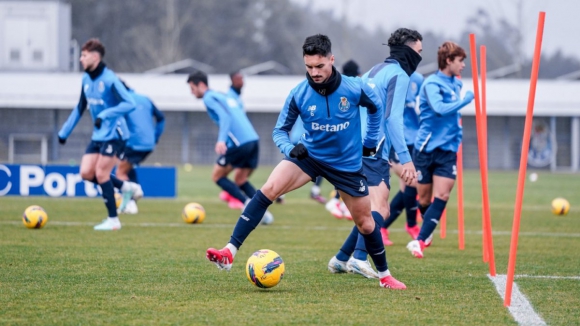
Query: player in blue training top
(235, 90)
(438, 139)
(108, 102)
(332, 147)
(390, 80)
(237, 144)
(144, 136)
(406, 198)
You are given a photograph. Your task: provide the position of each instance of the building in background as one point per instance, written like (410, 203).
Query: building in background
(36, 36)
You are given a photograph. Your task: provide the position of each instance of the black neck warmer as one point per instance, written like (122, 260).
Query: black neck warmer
(407, 57)
(329, 86)
(98, 71)
(237, 90)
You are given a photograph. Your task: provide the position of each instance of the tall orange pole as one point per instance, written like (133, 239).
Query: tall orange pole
(443, 222)
(487, 230)
(524, 160)
(485, 201)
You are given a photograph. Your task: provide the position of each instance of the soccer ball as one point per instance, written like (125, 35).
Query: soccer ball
(265, 268)
(34, 217)
(118, 199)
(560, 206)
(193, 213)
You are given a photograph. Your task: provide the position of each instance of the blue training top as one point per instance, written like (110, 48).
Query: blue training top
(440, 103)
(234, 126)
(236, 96)
(410, 116)
(106, 98)
(144, 134)
(332, 126)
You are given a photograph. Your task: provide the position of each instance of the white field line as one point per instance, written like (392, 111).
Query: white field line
(552, 277)
(520, 307)
(290, 227)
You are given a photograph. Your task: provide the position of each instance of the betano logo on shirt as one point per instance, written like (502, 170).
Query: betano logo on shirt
(329, 127)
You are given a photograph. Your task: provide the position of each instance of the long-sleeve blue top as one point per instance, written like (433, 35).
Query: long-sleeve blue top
(411, 118)
(106, 98)
(144, 133)
(236, 96)
(234, 126)
(391, 82)
(439, 105)
(332, 125)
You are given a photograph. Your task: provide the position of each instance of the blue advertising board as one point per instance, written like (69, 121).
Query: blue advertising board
(65, 181)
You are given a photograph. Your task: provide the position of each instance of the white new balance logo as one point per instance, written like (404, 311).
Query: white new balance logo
(362, 187)
(109, 149)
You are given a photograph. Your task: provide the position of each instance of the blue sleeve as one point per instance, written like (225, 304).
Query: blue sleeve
(224, 118)
(435, 100)
(160, 122)
(286, 120)
(74, 117)
(126, 103)
(395, 106)
(373, 104)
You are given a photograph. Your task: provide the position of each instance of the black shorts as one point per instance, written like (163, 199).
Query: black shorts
(393, 158)
(113, 147)
(352, 183)
(439, 162)
(377, 171)
(135, 157)
(243, 156)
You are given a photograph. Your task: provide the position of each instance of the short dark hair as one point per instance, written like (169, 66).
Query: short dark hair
(233, 73)
(197, 77)
(404, 36)
(317, 44)
(350, 68)
(94, 45)
(449, 50)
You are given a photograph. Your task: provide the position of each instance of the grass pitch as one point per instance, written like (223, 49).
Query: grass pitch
(154, 272)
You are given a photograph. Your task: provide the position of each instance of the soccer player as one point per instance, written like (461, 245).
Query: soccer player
(390, 80)
(108, 102)
(406, 198)
(438, 139)
(235, 90)
(237, 145)
(144, 136)
(332, 147)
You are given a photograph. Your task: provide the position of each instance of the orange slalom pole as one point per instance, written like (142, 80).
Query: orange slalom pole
(524, 160)
(487, 230)
(460, 222)
(443, 228)
(485, 194)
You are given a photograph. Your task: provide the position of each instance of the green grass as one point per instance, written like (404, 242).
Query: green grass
(153, 271)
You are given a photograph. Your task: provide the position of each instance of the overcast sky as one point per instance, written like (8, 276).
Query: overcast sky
(448, 17)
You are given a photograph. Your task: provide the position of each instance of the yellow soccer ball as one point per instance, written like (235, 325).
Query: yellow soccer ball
(118, 199)
(193, 213)
(560, 206)
(34, 217)
(265, 268)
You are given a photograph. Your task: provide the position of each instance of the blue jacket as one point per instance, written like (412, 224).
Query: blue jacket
(234, 127)
(411, 119)
(440, 103)
(390, 82)
(106, 98)
(332, 123)
(236, 96)
(144, 135)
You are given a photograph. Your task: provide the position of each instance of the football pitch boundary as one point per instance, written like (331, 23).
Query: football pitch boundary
(521, 309)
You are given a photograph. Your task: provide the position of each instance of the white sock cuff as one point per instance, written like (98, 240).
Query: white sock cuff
(232, 249)
(384, 274)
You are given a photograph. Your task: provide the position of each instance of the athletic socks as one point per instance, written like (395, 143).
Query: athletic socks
(231, 188)
(117, 183)
(431, 218)
(109, 198)
(132, 176)
(250, 218)
(248, 189)
(376, 248)
(348, 247)
(410, 200)
(423, 209)
(360, 251)
(397, 205)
